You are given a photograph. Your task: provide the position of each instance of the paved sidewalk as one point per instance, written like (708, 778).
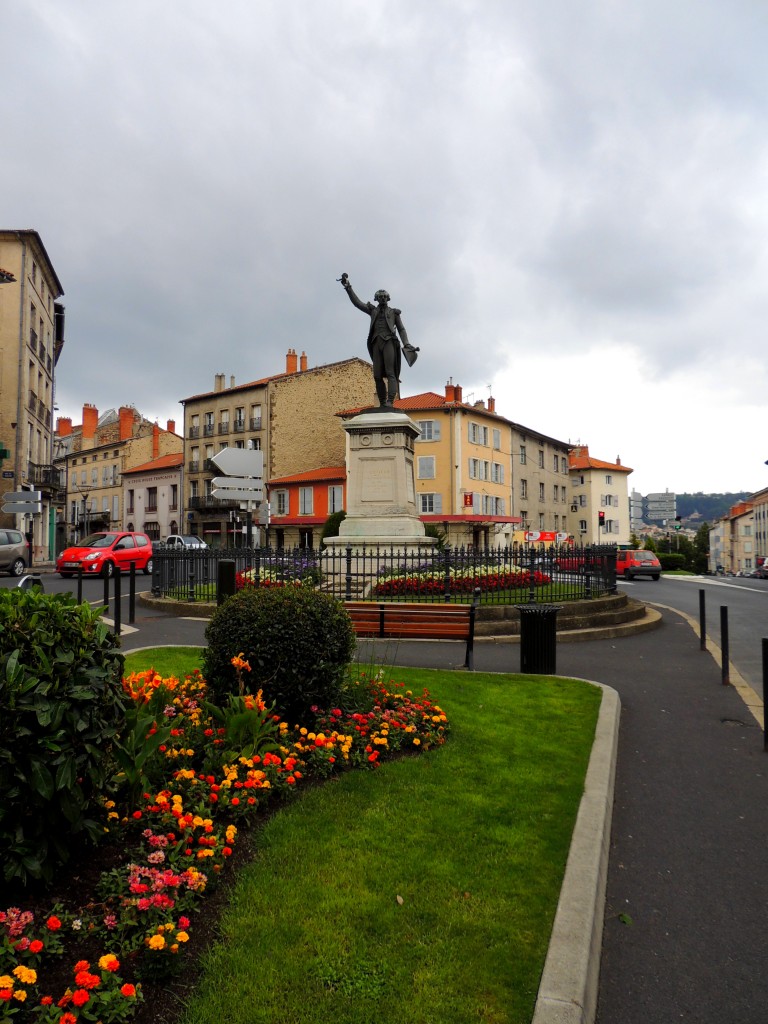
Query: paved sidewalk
(686, 909)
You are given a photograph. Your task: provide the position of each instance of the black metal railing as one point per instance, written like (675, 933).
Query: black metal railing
(511, 575)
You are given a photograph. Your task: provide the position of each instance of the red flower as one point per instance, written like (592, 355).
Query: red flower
(68, 1018)
(53, 924)
(80, 997)
(126, 990)
(35, 946)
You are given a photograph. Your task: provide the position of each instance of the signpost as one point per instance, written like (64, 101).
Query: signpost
(243, 482)
(23, 502)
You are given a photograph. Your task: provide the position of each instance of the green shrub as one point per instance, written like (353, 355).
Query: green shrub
(332, 524)
(60, 706)
(297, 641)
(669, 560)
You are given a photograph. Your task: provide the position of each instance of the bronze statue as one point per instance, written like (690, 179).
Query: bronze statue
(383, 343)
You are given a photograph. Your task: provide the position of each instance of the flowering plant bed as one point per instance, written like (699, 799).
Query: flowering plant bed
(460, 581)
(194, 779)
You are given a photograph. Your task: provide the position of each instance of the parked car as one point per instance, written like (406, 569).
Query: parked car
(100, 553)
(14, 552)
(186, 540)
(637, 563)
(758, 574)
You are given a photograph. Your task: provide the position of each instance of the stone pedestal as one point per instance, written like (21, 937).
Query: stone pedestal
(381, 494)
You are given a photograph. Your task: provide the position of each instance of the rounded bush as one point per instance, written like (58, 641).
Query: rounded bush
(61, 704)
(297, 641)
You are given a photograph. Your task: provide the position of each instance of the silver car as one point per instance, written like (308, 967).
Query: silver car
(14, 552)
(180, 542)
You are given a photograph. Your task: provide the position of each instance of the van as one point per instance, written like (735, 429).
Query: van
(637, 563)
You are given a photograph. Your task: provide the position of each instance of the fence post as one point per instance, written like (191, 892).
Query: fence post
(348, 579)
(725, 668)
(447, 572)
(702, 621)
(225, 579)
(191, 588)
(132, 594)
(118, 599)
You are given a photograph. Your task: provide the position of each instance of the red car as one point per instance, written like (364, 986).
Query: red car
(100, 553)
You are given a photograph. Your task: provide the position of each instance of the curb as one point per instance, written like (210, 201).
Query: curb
(568, 989)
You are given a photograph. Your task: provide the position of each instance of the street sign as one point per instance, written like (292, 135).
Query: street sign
(246, 482)
(238, 493)
(22, 507)
(239, 461)
(22, 502)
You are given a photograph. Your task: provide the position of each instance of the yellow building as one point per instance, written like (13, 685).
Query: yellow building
(482, 479)
(31, 340)
(599, 496)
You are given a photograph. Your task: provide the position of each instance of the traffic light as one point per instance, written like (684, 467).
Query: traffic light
(678, 522)
(4, 453)
(600, 519)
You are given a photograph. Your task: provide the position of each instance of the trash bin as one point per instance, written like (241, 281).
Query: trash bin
(30, 582)
(538, 638)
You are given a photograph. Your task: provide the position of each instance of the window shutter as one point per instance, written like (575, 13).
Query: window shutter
(435, 430)
(437, 503)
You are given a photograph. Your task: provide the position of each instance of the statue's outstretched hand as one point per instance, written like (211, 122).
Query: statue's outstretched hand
(344, 280)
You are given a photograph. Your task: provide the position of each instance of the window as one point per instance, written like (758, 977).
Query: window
(493, 506)
(524, 518)
(94, 477)
(430, 430)
(563, 464)
(582, 526)
(256, 444)
(555, 463)
(541, 459)
(541, 492)
(174, 503)
(130, 508)
(280, 499)
(497, 439)
(208, 424)
(478, 434)
(306, 501)
(151, 499)
(240, 418)
(608, 479)
(194, 488)
(497, 473)
(426, 467)
(522, 455)
(563, 495)
(555, 493)
(479, 469)
(431, 503)
(541, 520)
(557, 522)
(115, 508)
(523, 488)
(255, 417)
(335, 499)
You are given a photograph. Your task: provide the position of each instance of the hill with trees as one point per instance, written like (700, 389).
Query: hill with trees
(708, 506)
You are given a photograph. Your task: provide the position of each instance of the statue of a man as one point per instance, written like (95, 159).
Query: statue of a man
(383, 343)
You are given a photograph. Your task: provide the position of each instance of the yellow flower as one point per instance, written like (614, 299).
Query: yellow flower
(6, 981)
(25, 974)
(182, 937)
(416, 741)
(156, 942)
(20, 994)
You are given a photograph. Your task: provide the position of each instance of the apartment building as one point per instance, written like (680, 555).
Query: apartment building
(290, 416)
(480, 478)
(91, 459)
(31, 341)
(733, 543)
(599, 499)
(300, 504)
(152, 496)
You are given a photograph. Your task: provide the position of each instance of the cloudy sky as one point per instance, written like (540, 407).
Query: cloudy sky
(569, 203)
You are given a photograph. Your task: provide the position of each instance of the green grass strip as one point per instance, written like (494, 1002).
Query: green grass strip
(422, 892)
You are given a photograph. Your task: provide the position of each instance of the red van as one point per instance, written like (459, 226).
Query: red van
(637, 563)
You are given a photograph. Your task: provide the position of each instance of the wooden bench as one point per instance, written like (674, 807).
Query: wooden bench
(401, 620)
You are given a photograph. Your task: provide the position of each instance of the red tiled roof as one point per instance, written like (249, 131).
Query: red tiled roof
(164, 462)
(587, 462)
(326, 473)
(6, 276)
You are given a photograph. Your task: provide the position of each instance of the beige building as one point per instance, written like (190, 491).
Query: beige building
(736, 541)
(31, 340)
(599, 499)
(152, 496)
(290, 416)
(91, 459)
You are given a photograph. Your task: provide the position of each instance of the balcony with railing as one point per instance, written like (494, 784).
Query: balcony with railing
(194, 466)
(194, 432)
(207, 501)
(208, 430)
(255, 422)
(224, 427)
(238, 426)
(33, 339)
(45, 477)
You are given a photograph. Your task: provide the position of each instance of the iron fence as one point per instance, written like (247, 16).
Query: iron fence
(515, 574)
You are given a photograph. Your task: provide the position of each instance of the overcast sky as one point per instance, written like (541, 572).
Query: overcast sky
(568, 202)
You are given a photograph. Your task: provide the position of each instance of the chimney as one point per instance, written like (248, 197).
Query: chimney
(171, 428)
(291, 361)
(232, 380)
(90, 420)
(126, 423)
(63, 426)
(156, 441)
(303, 363)
(218, 382)
(491, 404)
(618, 461)
(450, 393)
(457, 391)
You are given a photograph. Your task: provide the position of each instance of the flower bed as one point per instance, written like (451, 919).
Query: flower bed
(207, 773)
(461, 581)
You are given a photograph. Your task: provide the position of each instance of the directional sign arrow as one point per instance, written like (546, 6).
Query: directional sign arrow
(246, 461)
(244, 482)
(237, 494)
(23, 496)
(22, 507)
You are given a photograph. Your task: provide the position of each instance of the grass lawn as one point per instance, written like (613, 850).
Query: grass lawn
(420, 892)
